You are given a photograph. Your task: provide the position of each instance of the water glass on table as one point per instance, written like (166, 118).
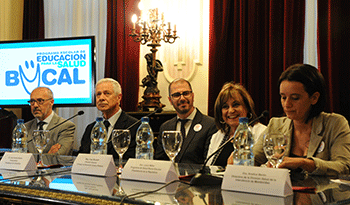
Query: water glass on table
(40, 139)
(121, 141)
(172, 142)
(275, 147)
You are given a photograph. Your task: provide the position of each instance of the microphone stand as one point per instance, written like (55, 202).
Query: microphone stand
(79, 113)
(206, 179)
(138, 121)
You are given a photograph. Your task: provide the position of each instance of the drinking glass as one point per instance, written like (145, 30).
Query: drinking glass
(275, 146)
(40, 138)
(121, 141)
(172, 142)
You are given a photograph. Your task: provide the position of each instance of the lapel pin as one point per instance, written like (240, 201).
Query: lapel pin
(197, 127)
(321, 148)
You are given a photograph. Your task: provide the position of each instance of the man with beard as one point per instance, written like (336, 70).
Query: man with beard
(108, 96)
(62, 137)
(195, 127)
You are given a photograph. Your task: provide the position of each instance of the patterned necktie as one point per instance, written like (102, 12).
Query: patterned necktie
(41, 125)
(183, 130)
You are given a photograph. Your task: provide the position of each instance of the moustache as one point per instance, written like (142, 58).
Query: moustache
(36, 109)
(183, 102)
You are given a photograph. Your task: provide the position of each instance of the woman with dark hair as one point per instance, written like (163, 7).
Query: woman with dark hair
(232, 103)
(319, 142)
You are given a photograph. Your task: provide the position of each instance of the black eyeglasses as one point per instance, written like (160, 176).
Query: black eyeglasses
(40, 101)
(186, 94)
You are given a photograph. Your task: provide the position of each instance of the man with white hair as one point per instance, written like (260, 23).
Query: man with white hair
(108, 96)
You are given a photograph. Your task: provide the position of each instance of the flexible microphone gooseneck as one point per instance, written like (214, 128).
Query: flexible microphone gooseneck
(79, 113)
(265, 113)
(4, 117)
(158, 110)
(205, 179)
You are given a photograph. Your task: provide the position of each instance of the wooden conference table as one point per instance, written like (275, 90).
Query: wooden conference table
(60, 186)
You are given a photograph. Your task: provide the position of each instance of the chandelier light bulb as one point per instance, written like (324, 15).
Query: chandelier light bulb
(134, 18)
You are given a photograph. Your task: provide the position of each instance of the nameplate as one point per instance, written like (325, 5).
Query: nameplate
(94, 164)
(21, 176)
(166, 195)
(18, 161)
(232, 197)
(94, 184)
(149, 170)
(268, 181)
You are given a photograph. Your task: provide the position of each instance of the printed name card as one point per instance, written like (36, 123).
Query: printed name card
(94, 164)
(18, 161)
(149, 170)
(21, 176)
(232, 197)
(268, 181)
(94, 184)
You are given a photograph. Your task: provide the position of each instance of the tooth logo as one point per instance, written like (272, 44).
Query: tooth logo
(29, 83)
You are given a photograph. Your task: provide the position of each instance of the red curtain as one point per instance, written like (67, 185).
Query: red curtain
(333, 53)
(251, 43)
(122, 53)
(33, 19)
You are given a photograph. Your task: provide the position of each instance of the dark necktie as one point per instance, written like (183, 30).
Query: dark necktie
(183, 130)
(107, 124)
(41, 125)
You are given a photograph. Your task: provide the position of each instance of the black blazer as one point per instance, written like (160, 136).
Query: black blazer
(195, 147)
(123, 122)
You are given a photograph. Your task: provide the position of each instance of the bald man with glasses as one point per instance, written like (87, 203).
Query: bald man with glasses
(195, 127)
(62, 137)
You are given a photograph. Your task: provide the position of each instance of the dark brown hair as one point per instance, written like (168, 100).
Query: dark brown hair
(312, 81)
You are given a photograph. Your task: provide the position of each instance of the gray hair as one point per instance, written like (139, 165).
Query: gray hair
(48, 91)
(116, 86)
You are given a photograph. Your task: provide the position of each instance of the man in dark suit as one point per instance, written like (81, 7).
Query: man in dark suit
(197, 128)
(62, 137)
(108, 96)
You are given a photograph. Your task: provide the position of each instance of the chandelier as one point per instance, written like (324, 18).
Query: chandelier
(151, 28)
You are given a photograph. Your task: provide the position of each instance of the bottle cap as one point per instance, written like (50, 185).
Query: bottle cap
(243, 120)
(99, 119)
(144, 119)
(20, 121)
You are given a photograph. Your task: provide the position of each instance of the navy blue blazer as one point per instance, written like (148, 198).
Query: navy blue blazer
(123, 122)
(195, 146)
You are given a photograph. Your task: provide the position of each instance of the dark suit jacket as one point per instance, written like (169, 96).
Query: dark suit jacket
(195, 146)
(63, 134)
(123, 122)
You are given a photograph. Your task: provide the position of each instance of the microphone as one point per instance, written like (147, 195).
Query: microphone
(4, 117)
(158, 110)
(204, 179)
(79, 113)
(265, 113)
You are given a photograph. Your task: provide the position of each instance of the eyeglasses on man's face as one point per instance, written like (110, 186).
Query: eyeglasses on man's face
(177, 95)
(40, 101)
